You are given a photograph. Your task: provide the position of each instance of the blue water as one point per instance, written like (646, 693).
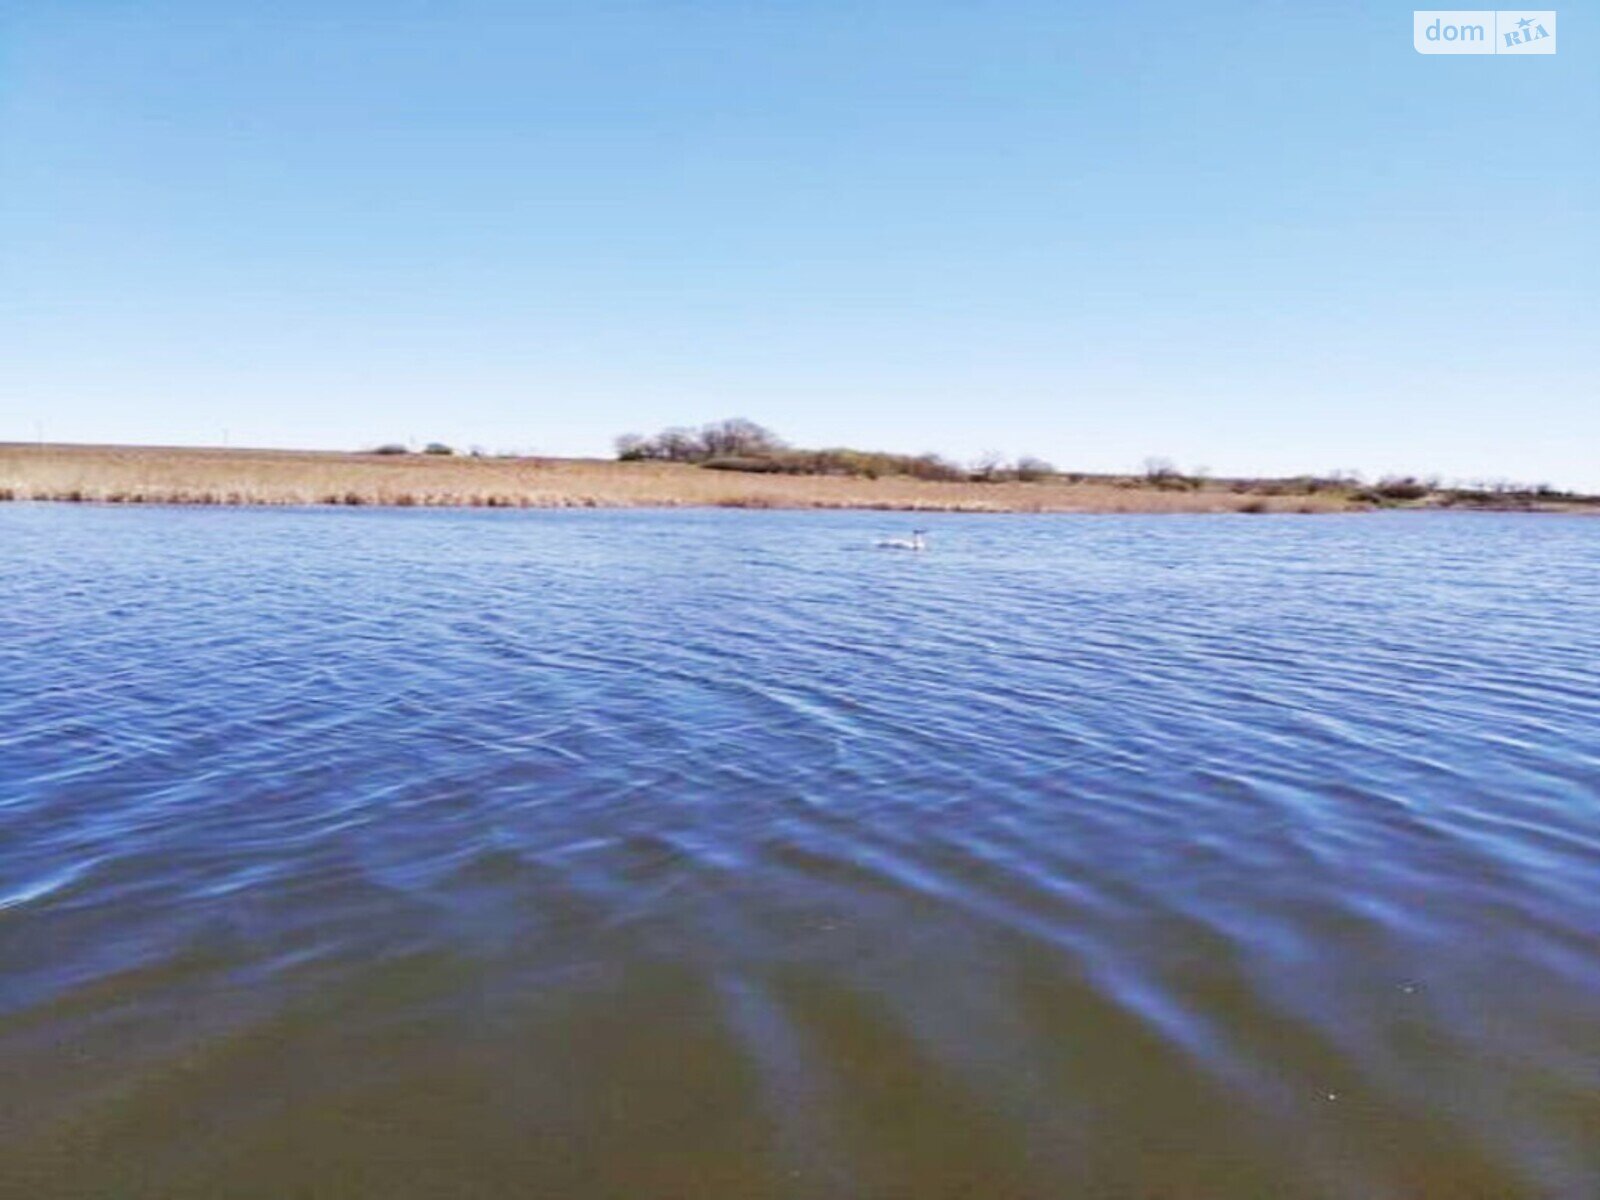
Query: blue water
(431, 853)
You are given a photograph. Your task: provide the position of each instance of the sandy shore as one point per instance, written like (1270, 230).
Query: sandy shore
(165, 475)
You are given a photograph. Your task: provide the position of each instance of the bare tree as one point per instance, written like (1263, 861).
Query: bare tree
(679, 445)
(989, 465)
(1157, 467)
(738, 438)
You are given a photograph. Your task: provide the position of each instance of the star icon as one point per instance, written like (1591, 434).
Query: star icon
(1524, 23)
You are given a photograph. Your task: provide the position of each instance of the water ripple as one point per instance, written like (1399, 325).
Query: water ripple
(591, 853)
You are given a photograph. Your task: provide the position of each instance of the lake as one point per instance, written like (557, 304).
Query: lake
(351, 853)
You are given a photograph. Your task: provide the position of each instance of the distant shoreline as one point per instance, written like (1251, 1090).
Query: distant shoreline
(178, 475)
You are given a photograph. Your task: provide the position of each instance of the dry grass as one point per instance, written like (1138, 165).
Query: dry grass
(158, 475)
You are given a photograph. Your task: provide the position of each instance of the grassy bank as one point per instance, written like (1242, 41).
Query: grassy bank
(160, 475)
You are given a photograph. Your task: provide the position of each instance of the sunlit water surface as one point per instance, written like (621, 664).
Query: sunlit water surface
(718, 854)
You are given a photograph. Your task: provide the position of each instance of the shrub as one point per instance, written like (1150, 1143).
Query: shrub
(1157, 469)
(931, 466)
(391, 448)
(760, 466)
(990, 467)
(1030, 469)
(437, 448)
(1395, 488)
(1163, 475)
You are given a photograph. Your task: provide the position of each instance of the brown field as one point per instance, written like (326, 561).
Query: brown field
(162, 475)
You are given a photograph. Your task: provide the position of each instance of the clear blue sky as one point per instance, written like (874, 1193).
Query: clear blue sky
(1259, 237)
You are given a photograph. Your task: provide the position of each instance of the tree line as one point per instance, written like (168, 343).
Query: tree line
(738, 444)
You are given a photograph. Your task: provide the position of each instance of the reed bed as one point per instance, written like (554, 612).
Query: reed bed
(160, 475)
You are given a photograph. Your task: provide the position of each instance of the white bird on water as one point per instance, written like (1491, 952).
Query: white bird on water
(917, 541)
